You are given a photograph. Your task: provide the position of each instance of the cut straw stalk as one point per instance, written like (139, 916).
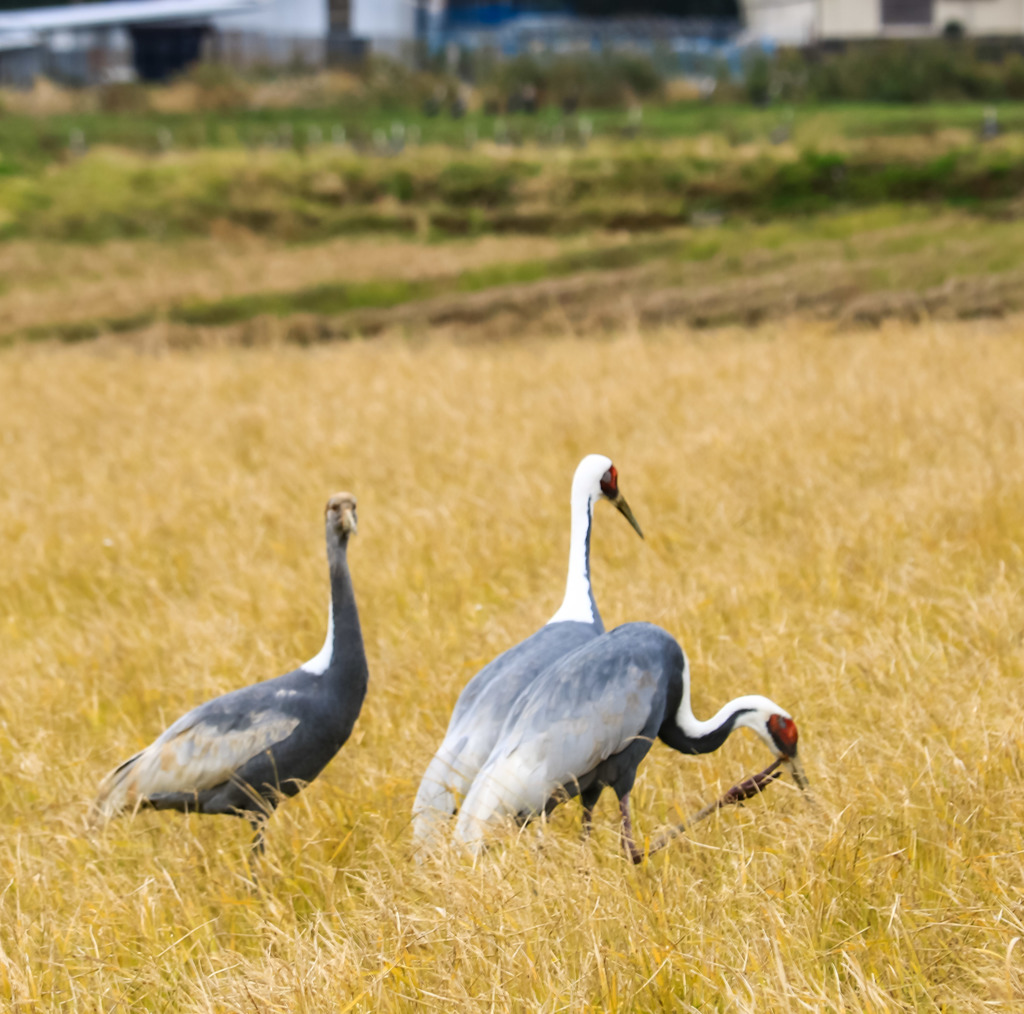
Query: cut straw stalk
(752, 786)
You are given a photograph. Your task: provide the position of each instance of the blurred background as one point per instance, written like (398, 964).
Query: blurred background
(770, 132)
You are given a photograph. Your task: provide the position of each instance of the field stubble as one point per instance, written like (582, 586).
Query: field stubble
(835, 522)
(851, 268)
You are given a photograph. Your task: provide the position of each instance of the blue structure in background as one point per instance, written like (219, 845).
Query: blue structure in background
(689, 46)
(481, 15)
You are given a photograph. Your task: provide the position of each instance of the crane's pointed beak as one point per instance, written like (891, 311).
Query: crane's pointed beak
(799, 775)
(623, 508)
(349, 521)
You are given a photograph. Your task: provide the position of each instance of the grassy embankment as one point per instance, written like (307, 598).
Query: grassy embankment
(33, 139)
(635, 185)
(860, 266)
(855, 213)
(837, 524)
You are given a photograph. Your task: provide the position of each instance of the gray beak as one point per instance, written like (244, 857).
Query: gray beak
(348, 520)
(623, 508)
(799, 776)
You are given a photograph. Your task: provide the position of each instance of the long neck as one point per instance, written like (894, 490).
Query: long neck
(342, 656)
(578, 604)
(683, 732)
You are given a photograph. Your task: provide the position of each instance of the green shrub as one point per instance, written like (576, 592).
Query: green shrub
(124, 97)
(396, 87)
(587, 80)
(218, 86)
(486, 184)
(928, 70)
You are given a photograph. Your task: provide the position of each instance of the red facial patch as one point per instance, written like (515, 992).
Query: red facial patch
(784, 733)
(610, 483)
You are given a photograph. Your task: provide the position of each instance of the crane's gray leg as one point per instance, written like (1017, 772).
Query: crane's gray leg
(589, 800)
(628, 842)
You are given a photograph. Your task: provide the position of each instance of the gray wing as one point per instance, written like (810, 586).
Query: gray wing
(479, 715)
(586, 708)
(504, 678)
(200, 750)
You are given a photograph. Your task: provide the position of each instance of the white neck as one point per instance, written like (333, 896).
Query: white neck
(696, 729)
(577, 604)
(321, 661)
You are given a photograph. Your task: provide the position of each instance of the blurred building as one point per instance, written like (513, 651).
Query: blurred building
(559, 32)
(115, 41)
(801, 22)
(510, 27)
(391, 27)
(274, 33)
(19, 57)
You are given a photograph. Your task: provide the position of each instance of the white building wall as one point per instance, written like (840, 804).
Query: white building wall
(797, 22)
(850, 19)
(982, 17)
(282, 19)
(384, 20)
(788, 22)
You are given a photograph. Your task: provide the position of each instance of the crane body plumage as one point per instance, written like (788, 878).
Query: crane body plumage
(240, 753)
(475, 725)
(587, 722)
(484, 704)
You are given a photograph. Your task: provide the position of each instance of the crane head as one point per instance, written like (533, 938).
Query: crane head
(340, 515)
(783, 732)
(606, 486)
(776, 728)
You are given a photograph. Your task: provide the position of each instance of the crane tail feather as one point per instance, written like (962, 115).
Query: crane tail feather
(445, 782)
(117, 793)
(508, 787)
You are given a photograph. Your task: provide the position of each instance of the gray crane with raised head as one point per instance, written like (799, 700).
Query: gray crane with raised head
(241, 753)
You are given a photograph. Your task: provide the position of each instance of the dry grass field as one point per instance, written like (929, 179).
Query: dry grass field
(47, 284)
(834, 520)
(241, 288)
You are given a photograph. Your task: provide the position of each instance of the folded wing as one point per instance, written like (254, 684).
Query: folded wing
(194, 755)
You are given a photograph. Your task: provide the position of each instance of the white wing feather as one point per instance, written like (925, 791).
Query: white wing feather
(189, 758)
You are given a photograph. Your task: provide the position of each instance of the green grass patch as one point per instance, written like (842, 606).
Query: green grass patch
(639, 187)
(326, 299)
(334, 299)
(258, 170)
(877, 249)
(29, 143)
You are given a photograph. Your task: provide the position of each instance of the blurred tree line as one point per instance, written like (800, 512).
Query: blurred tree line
(948, 69)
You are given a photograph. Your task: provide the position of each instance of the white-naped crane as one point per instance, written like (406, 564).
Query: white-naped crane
(485, 702)
(588, 721)
(241, 753)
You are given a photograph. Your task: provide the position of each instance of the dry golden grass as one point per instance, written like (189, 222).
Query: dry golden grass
(49, 283)
(184, 95)
(853, 267)
(835, 522)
